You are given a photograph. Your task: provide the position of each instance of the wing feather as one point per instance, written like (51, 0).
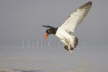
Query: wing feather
(76, 17)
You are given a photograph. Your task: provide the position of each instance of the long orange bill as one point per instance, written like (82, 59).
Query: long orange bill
(46, 36)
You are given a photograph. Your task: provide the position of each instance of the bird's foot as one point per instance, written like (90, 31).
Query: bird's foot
(66, 47)
(71, 48)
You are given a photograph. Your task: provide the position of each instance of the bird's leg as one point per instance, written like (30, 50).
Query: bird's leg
(66, 47)
(71, 47)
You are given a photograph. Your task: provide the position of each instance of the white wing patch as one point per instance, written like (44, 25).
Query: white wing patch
(76, 17)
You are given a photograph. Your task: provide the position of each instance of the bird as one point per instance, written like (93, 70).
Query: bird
(66, 32)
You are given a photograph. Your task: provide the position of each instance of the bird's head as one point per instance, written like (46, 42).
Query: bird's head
(50, 30)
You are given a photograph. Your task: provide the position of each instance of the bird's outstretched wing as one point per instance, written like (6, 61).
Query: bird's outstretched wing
(76, 17)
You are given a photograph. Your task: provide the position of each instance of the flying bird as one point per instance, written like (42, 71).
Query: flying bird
(66, 32)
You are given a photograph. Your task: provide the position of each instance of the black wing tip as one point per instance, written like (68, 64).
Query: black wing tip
(47, 26)
(43, 25)
(89, 3)
(86, 5)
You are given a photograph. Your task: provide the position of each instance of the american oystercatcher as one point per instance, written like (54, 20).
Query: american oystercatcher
(66, 31)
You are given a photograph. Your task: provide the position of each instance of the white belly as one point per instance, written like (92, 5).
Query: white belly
(65, 37)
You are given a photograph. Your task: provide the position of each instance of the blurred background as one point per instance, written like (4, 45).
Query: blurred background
(23, 47)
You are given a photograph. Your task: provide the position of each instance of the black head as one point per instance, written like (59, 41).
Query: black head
(50, 30)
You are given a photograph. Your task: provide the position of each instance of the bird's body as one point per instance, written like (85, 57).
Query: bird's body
(67, 38)
(66, 31)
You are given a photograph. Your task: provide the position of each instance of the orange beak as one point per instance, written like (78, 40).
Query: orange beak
(46, 36)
